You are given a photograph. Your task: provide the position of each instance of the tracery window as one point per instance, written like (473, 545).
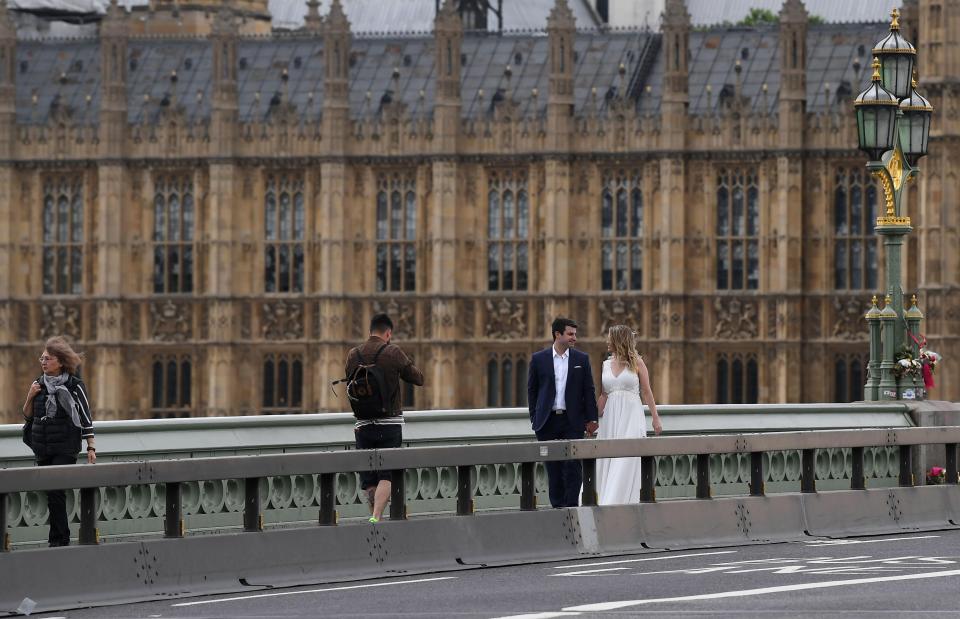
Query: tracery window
(855, 244)
(173, 233)
(849, 377)
(171, 389)
(282, 383)
(621, 226)
(506, 381)
(508, 231)
(396, 232)
(284, 233)
(738, 230)
(737, 379)
(63, 235)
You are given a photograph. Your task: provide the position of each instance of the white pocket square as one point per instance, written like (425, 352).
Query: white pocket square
(578, 367)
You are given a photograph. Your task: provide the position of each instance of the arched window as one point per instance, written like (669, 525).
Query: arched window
(508, 228)
(282, 383)
(849, 377)
(621, 226)
(284, 225)
(63, 235)
(396, 253)
(171, 391)
(738, 230)
(855, 244)
(507, 381)
(173, 234)
(738, 379)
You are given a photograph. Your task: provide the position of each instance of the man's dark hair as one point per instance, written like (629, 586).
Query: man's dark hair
(380, 323)
(560, 326)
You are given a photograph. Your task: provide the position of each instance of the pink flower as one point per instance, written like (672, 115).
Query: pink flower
(937, 471)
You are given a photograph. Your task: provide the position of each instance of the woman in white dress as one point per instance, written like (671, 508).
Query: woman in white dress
(624, 378)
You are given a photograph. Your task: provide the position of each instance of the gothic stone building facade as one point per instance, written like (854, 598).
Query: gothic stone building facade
(214, 218)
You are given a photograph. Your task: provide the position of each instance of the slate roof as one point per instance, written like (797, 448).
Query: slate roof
(64, 73)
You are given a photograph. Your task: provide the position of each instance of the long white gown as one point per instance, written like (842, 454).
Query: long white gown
(618, 479)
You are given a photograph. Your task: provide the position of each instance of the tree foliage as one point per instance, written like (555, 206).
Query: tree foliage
(759, 17)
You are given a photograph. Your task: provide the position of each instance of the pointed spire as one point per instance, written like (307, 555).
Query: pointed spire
(793, 12)
(114, 22)
(675, 13)
(560, 16)
(336, 18)
(313, 22)
(7, 27)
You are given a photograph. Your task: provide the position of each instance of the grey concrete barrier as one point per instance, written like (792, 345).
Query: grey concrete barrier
(226, 563)
(884, 510)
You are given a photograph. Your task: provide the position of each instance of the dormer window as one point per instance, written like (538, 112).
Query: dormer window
(473, 13)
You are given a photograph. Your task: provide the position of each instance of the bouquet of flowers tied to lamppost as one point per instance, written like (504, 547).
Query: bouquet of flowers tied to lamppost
(921, 366)
(928, 364)
(906, 365)
(936, 475)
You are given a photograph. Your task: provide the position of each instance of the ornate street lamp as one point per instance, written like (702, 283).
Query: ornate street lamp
(893, 128)
(897, 57)
(876, 117)
(915, 125)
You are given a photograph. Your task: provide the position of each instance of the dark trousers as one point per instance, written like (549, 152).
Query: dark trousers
(57, 504)
(565, 477)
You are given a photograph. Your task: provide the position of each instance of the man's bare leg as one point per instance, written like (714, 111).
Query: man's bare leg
(370, 492)
(380, 498)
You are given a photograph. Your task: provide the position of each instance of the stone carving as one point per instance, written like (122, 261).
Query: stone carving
(849, 323)
(282, 321)
(171, 321)
(772, 319)
(696, 319)
(506, 319)
(132, 323)
(468, 317)
(60, 319)
(402, 314)
(735, 319)
(245, 320)
(107, 323)
(618, 312)
(813, 323)
(439, 317)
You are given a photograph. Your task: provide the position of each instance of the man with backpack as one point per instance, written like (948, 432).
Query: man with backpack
(374, 370)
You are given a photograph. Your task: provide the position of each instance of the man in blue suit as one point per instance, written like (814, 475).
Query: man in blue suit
(563, 405)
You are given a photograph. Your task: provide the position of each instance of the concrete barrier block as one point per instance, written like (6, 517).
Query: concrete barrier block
(482, 539)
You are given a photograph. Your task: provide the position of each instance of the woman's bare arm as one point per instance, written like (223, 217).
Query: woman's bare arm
(647, 392)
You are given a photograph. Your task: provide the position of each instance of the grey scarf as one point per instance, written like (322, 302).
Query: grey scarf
(56, 392)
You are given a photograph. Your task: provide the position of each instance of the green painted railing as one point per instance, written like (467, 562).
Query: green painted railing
(212, 505)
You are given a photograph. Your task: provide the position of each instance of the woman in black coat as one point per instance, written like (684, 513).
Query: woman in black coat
(58, 410)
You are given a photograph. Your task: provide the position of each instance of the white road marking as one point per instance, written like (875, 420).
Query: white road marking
(602, 606)
(810, 565)
(656, 558)
(599, 570)
(845, 542)
(279, 593)
(540, 615)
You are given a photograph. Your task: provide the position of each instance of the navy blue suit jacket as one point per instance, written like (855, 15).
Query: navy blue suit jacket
(579, 395)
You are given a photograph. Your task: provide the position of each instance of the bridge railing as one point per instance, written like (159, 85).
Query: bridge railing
(326, 465)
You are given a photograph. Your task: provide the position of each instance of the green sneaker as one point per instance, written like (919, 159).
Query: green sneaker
(373, 520)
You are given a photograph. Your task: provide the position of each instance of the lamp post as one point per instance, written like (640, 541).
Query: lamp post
(893, 129)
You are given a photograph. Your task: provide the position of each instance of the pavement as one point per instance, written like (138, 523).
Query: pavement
(904, 575)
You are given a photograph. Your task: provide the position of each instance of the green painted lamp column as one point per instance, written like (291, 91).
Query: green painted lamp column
(893, 129)
(888, 382)
(872, 389)
(914, 318)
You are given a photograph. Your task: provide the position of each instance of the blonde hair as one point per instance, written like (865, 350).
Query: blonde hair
(624, 347)
(69, 359)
